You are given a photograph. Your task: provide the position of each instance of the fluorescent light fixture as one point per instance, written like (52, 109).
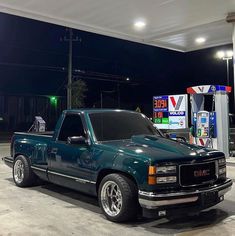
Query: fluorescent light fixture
(139, 24)
(200, 40)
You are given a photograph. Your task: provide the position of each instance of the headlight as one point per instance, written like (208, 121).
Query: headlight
(222, 161)
(166, 180)
(222, 170)
(166, 169)
(162, 174)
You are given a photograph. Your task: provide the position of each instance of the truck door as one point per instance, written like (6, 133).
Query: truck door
(69, 164)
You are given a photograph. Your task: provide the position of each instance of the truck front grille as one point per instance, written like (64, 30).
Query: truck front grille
(197, 174)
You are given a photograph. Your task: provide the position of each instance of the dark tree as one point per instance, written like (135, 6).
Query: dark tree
(79, 88)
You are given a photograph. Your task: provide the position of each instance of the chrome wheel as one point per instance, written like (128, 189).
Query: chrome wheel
(19, 171)
(111, 198)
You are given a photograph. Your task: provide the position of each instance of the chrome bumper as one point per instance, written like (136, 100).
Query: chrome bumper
(152, 200)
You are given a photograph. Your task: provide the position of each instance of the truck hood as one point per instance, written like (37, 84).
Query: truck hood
(161, 149)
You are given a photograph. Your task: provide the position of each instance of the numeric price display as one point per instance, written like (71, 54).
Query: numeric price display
(160, 104)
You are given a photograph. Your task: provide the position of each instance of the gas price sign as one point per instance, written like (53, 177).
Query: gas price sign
(170, 111)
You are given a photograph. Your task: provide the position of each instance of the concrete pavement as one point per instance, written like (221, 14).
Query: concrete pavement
(53, 210)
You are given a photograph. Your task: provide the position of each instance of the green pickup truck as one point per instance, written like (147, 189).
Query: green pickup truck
(123, 159)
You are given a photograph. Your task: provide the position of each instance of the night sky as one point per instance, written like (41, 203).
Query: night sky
(33, 60)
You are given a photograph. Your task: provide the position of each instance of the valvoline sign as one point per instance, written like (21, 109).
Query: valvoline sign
(177, 102)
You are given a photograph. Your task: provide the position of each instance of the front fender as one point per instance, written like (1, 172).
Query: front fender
(136, 167)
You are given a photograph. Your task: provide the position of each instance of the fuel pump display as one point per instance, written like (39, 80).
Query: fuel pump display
(204, 125)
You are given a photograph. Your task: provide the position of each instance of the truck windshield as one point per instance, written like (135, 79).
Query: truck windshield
(116, 125)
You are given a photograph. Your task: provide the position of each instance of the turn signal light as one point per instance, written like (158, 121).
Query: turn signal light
(152, 170)
(152, 175)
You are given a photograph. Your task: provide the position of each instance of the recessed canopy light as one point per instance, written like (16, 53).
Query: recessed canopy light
(200, 40)
(139, 24)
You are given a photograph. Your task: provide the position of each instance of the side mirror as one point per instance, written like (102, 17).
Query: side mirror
(77, 140)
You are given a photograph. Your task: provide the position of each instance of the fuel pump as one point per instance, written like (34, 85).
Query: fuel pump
(210, 128)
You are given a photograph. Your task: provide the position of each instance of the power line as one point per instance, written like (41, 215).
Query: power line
(53, 68)
(90, 75)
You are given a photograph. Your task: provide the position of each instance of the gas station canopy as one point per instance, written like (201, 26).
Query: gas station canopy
(182, 25)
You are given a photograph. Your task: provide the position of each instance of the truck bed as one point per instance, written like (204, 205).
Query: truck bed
(32, 141)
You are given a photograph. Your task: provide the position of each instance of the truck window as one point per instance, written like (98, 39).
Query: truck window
(113, 125)
(72, 126)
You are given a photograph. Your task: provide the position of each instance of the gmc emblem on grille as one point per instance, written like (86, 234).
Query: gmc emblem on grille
(201, 173)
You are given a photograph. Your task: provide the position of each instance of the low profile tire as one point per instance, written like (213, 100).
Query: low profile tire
(118, 198)
(22, 173)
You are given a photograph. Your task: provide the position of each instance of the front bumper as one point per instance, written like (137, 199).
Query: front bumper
(197, 199)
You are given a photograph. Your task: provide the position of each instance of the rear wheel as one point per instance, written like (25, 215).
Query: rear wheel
(118, 198)
(22, 173)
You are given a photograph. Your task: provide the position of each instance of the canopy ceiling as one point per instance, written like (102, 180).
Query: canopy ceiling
(172, 24)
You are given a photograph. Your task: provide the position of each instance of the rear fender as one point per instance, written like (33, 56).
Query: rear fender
(36, 152)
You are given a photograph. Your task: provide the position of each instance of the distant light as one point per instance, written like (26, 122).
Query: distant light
(53, 100)
(220, 54)
(127, 79)
(228, 54)
(140, 24)
(200, 40)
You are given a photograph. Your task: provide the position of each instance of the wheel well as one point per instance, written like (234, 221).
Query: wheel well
(17, 154)
(20, 154)
(105, 172)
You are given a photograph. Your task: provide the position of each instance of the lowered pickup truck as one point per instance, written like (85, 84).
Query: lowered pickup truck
(123, 159)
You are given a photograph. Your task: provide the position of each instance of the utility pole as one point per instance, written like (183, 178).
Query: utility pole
(118, 94)
(70, 39)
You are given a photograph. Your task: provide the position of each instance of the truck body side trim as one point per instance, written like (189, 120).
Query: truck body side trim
(84, 181)
(39, 169)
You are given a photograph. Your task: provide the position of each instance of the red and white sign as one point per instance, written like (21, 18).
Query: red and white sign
(177, 102)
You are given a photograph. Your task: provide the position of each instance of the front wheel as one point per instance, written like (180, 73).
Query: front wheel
(118, 198)
(22, 173)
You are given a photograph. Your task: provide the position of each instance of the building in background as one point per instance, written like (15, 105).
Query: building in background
(17, 112)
